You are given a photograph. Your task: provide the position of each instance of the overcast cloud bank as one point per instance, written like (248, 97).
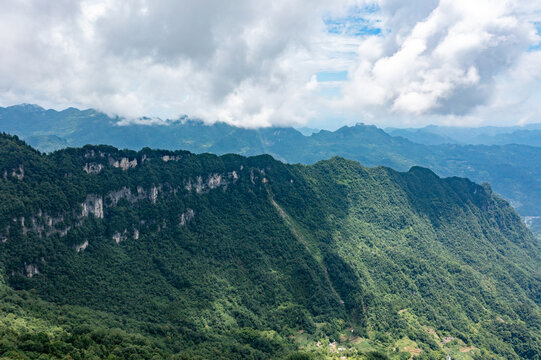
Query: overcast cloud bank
(254, 64)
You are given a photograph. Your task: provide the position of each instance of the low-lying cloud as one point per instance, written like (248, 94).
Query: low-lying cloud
(254, 64)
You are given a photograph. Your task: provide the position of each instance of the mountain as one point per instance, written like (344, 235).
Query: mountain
(109, 253)
(525, 137)
(486, 135)
(512, 170)
(51, 130)
(306, 131)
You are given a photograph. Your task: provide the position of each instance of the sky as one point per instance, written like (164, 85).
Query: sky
(251, 63)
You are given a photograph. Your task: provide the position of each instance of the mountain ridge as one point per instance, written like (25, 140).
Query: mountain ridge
(510, 169)
(484, 135)
(190, 252)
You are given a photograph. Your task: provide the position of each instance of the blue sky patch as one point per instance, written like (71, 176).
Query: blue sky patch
(536, 47)
(356, 23)
(326, 76)
(351, 26)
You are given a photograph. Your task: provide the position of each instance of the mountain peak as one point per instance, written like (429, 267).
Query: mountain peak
(26, 107)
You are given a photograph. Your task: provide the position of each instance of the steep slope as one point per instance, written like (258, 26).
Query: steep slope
(513, 170)
(234, 257)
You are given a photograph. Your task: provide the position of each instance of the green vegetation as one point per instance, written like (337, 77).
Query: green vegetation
(513, 170)
(118, 254)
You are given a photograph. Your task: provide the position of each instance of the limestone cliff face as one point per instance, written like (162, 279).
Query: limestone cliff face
(81, 182)
(186, 216)
(98, 160)
(100, 163)
(123, 163)
(93, 168)
(167, 158)
(81, 246)
(212, 181)
(120, 236)
(30, 270)
(153, 194)
(93, 205)
(18, 173)
(41, 224)
(97, 205)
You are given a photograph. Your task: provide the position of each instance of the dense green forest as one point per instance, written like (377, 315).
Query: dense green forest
(119, 254)
(511, 168)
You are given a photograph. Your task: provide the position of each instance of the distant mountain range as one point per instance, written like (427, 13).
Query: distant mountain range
(514, 170)
(486, 135)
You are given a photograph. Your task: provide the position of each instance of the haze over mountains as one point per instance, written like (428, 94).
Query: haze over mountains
(513, 170)
(487, 135)
(109, 253)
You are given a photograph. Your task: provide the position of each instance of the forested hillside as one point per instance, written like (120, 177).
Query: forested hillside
(513, 170)
(108, 253)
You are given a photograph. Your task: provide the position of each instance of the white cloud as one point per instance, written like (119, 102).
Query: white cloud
(446, 63)
(253, 64)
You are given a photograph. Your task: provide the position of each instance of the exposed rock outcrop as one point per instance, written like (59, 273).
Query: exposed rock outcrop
(92, 154)
(82, 246)
(30, 270)
(93, 168)
(41, 224)
(49, 220)
(212, 181)
(35, 226)
(18, 173)
(114, 197)
(167, 158)
(119, 237)
(93, 205)
(153, 194)
(186, 216)
(124, 163)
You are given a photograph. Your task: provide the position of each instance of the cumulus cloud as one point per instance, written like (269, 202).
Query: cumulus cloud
(446, 63)
(254, 64)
